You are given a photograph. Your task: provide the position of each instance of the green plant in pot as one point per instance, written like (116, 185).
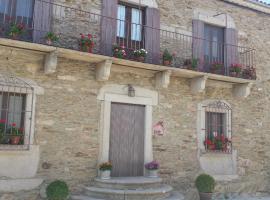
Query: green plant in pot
(205, 185)
(167, 58)
(57, 190)
(51, 38)
(105, 170)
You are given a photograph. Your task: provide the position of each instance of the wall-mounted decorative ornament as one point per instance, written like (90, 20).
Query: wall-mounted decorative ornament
(159, 129)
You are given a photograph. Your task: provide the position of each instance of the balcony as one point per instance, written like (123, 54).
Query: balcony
(169, 53)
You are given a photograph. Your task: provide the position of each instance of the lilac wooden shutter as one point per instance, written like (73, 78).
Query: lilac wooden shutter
(42, 19)
(152, 35)
(108, 26)
(198, 42)
(231, 47)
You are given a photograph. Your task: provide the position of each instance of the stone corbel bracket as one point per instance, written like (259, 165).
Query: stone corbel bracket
(163, 79)
(242, 90)
(198, 84)
(103, 70)
(50, 62)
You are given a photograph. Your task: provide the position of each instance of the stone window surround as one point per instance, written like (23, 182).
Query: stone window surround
(201, 123)
(118, 93)
(29, 124)
(144, 3)
(214, 18)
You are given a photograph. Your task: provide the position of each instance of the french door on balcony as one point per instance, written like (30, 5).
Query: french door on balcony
(213, 45)
(130, 20)
(17, 11)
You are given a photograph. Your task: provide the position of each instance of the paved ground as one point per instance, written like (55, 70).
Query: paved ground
(243, 197)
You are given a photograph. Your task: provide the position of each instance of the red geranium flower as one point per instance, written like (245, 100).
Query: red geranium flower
(13, 124)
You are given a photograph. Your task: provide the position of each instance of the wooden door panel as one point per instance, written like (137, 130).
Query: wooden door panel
(127, 140)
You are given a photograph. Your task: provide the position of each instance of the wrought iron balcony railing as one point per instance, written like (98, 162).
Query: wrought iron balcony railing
(111, 36)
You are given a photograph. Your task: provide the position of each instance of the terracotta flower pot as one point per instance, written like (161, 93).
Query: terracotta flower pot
(167, 62)
(15, 140)
(88, 49)
(205, 196)
(49, 42)
(140, 59)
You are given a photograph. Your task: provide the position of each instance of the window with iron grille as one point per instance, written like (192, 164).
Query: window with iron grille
(217, 127)
(16, 113)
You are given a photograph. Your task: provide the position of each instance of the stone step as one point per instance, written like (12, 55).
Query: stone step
(173, 196)
(162, 192)
(128, 183)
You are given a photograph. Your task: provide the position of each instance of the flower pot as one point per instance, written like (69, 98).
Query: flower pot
(205, 196)
(49, 42)
(88, 49)
(105, 174)
(167, 62)
(140, 59)
(15, 140)
(152, 173)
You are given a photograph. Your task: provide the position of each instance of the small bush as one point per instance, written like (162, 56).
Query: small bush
(57, 190)
(205, 183)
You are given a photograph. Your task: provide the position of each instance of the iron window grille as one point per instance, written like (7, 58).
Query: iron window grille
(16, 110)
(218, 133)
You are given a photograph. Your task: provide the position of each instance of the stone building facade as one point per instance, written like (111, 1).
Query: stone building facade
(68, 139)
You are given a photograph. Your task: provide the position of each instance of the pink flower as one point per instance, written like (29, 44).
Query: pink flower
(13, 124)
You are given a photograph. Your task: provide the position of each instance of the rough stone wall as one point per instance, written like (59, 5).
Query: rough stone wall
(68, 113)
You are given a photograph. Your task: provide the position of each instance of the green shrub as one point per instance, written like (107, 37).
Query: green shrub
(205, 183)
(57, 190)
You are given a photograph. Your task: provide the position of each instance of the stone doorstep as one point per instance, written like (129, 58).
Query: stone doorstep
(221, 178)
(128, 183)
(144, 194)
(15, 185)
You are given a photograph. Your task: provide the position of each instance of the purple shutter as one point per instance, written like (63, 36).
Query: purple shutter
(108, 26)
(198, 42)
(42, 18)
(231, 47)
(152, 35)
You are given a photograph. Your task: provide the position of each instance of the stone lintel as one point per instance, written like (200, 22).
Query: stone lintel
(50, 62)
(242, 90)
(103, 70)
(163, 79)
(198, 84)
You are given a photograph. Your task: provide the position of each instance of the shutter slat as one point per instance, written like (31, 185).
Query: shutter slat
(231, 39)
(108, 26)
(198, 42)
(152, 35)
(42, 19)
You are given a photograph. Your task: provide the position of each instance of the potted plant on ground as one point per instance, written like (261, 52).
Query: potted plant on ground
(16, 134)
(57, 190)
(119, 51)
(51, 38)
(86, 43)
(217, 68)
(140, 55)
(16, 30)
(205, 185)
(105, 170)
(152, 169)
(235, 70)
(167, 58)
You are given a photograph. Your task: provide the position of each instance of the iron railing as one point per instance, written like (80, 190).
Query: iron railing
(68, 23)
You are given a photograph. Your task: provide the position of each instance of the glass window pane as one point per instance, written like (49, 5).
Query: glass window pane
(136, 28)
(15, 110)
(24, 8)
(4, 6)
(121, 16)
